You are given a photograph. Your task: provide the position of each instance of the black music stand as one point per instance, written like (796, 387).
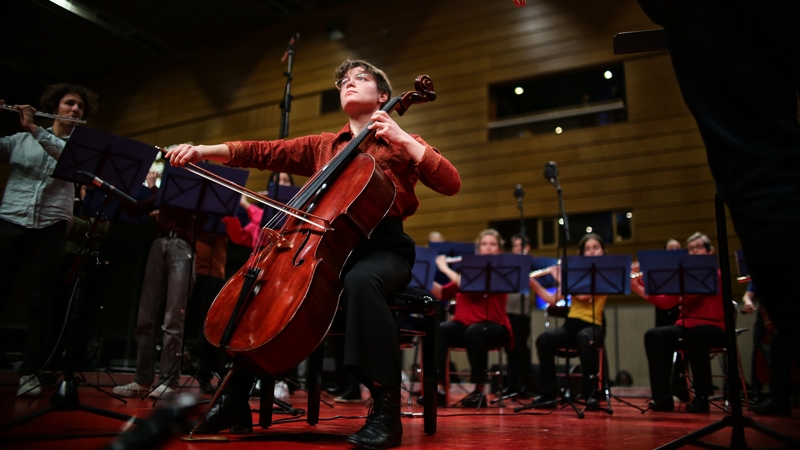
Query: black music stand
(123, 163)
(603, 275)
(591, 275)
(537, 263)
(424, 271)
(185, 190)
(678, 273)
(494, 274)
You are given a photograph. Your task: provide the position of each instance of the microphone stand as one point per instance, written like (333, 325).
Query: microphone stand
(518, 194)
(268, 383)
(563, 239)
(286, 104)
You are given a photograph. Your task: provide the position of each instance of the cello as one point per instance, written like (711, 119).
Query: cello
(279, 306)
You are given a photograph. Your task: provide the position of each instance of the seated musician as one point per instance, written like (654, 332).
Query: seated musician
(582, 329)
(479, 324)
(376, 268)
(247, 235)
(699, 328)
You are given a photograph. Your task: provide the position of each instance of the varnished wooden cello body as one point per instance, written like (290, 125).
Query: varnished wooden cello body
(276, 310)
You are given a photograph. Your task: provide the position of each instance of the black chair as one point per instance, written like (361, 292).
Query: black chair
(409, 300)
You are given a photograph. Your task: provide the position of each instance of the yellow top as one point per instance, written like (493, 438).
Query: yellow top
(583, 310)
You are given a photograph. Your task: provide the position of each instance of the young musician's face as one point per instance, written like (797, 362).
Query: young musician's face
(360, 95)
(71, 105)
(284, 180)
(516, 247)
(593, 248)
(488, 245)
(696, 247)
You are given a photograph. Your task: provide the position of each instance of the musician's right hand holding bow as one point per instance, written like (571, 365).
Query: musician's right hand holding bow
(184, 154)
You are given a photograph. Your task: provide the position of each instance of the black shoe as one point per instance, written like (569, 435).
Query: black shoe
(441, 399)
(662, 406)
(698, 405)
(475, 399)
(352, 395)
(383, 428)
(228, 413)
(772, 407)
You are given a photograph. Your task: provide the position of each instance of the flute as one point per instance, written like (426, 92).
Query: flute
(547, 270)
(41, 114)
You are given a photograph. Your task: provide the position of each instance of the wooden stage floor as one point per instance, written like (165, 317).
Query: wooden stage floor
(458, 428)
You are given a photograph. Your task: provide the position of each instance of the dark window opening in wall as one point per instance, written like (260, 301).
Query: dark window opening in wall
(598, 223)
(549, 237)
(510, 228)
(612, 226)
(556, 103)
(330, 102)
(623, 224)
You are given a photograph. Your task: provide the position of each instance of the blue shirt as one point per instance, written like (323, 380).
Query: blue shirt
(32, 198)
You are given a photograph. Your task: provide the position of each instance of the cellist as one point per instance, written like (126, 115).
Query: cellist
(377, 267)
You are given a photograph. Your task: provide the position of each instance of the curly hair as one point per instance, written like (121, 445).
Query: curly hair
(380, 77)
(55, 92)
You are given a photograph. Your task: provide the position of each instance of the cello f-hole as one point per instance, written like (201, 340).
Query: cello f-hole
(297, 261)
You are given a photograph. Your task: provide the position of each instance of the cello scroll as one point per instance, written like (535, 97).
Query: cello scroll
(423, 93)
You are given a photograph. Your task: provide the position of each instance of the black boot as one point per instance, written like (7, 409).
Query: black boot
(383, 428)
(475, 399)
(228, 413)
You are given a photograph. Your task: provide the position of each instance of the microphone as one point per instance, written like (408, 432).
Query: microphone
(111, 190)
(291, 44)
(551, 173)
(519, 193)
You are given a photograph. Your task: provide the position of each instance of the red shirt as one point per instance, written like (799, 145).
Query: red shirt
(696, 309)
(472, 308)
(246, 236)
(306, 155)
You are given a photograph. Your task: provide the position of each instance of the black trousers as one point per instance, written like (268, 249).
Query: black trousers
(738, 66)
(575, 333)
(660, 343)
(34, 256)
(376, 269)
(519, 359)
(205, 291)
(477, 338)
(759, 333)
(780, 375)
